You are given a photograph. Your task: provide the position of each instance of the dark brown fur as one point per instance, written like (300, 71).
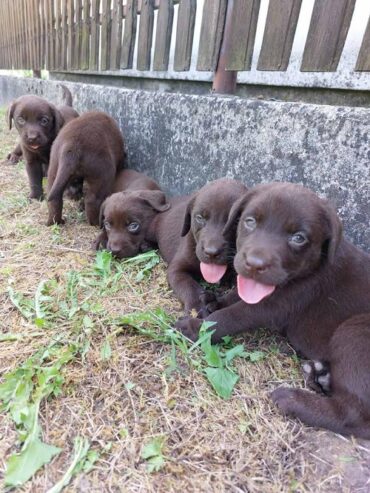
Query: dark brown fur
(125, 216)
(321, 301)
(184, 242)
(38, 123)
(89, 148)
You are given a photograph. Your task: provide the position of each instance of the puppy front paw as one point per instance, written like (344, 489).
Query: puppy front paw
(189, 327)
(285, 399)
(100, 242)
(13, 158)
(50, 222)
(209, 302)
(36, 196)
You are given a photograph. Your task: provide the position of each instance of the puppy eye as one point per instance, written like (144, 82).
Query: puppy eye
(200, 219)
(299, 238)
(107, 225)
(44, 121)
(21, 121)
(133, 227)
(250, 223)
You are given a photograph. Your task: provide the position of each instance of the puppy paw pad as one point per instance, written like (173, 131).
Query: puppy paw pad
(307, 368)
(318, 365)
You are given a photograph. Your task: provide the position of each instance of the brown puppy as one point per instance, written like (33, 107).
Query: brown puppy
(297, 275)
(38, 123)
(89, 148)
(125, 216)
(190, 239)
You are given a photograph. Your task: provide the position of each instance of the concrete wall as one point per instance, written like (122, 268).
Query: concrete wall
(184, 140)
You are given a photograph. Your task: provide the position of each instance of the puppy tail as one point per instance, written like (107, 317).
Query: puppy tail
(67, 164)
(67, 95)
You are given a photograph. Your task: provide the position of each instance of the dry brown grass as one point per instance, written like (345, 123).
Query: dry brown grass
(211, 445)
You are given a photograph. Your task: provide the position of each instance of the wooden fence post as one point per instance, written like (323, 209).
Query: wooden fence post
(224, 81)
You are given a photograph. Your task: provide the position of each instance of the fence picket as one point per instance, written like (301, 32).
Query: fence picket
(211, 34)
(85, 36)
(281, 24)
(116, 35)
(163, 35)
(145, 35)
(185, 34)
(105, 35)
(363, 60)
(129, 35)
(328, 30)
(95, 35)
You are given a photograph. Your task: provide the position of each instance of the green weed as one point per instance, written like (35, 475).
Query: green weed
(215, 361)
(21, 394)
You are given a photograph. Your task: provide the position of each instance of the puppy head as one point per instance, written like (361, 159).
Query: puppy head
(126, 218)
(284, 232)
(37, 121)
(205, 219)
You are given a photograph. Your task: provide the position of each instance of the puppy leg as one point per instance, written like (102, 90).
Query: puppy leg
(95, 193)
(55, 208)
(236, 318)
(185, 286)
(92, 207)
(340, 413)
(347, 411)
(35, 175)
(101, 241)
(16, 155)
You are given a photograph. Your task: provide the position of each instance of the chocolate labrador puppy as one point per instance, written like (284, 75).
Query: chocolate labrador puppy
(203, 251)
(190, 239)
(125, 216)
(297, 275)
(38, 123)
(88, 148)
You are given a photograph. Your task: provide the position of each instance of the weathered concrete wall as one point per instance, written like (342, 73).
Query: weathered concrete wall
(184, 141)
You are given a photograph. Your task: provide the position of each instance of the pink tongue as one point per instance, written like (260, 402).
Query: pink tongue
(212, 272)
(252, 291)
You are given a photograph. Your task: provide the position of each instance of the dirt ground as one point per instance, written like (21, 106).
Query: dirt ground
(122, 390)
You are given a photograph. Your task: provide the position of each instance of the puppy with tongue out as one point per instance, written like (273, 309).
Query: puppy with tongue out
(299, 276)
(203, 252)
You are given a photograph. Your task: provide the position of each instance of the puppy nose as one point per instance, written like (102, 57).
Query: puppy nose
(212, 251)
(256, 263)
(114, 249)
(32, 138)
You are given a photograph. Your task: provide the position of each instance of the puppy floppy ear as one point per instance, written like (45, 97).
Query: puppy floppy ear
(156, 199)
(101, 215)
(187, 219)
(10, 114)
(334, 226)
(235, 213)
(58, 120)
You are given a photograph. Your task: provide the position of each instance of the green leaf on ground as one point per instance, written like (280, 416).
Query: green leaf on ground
(21, 467)
(106, 351)
(153, 454)
(222, 380)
